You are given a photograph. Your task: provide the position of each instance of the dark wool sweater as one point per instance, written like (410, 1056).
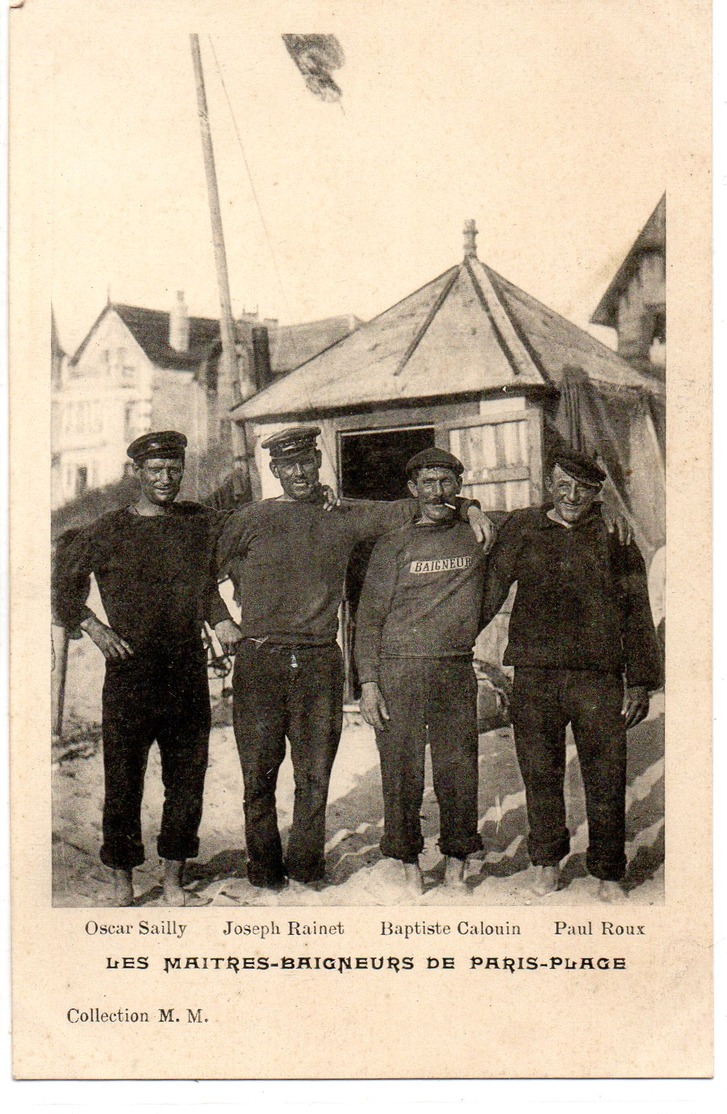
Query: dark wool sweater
(288, 560)
(582, 600)
(421, 597)
(155, 575)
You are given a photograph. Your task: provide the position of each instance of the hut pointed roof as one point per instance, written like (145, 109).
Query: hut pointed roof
(467, 332)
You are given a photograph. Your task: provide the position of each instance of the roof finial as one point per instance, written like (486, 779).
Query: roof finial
(470, 233)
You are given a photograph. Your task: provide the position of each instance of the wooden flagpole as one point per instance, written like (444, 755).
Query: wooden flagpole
(236, 382)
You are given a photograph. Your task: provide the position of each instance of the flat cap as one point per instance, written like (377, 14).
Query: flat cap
(434, 458)
(579, 466)
(292, 443)
(167, 444)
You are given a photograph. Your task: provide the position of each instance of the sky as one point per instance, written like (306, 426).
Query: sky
(551, 124)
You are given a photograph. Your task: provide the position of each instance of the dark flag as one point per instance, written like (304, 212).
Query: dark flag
(315, 56)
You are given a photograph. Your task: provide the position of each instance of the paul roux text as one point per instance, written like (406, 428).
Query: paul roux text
(597, 928)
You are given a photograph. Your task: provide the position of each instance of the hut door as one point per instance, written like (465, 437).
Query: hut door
(502, 456)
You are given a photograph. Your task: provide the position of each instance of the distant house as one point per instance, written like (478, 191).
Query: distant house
(139, 369)
(473, 364)
(635, 302)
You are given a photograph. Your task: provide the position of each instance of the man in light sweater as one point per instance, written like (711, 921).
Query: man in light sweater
(417, 623)
(287, 558)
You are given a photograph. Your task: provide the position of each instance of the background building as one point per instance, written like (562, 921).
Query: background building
(139, 369)
(635, 302)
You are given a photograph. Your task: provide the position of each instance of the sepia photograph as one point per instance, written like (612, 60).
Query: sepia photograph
(356, 440)
(466, 386)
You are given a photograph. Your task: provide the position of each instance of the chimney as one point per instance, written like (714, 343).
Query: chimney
(470, 234)
(261, 356)
(179, 324)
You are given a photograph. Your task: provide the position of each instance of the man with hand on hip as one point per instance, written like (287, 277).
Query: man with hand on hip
(154, 565)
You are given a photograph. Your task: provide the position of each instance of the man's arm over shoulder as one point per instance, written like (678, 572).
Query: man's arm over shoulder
(213, 516)
(372, 518)
(375, 605)
(502, 563)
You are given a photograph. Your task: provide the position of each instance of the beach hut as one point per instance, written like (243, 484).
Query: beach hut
(469, 363)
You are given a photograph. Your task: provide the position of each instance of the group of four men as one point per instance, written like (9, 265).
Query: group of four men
(580, 625)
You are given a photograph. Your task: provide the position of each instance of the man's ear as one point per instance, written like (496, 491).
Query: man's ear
(459, 484)
(548, 482)
(274, 469)
(319, 457)
(136, 467)
(412, 488)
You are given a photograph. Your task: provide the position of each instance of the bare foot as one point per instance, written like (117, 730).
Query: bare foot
(454, 874)
(413, 880)
(123, 887)
(174, 894)
(546, 880)
(610, 892)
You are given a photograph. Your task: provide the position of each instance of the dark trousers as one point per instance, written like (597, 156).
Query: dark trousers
(544, 702)
(162, 697)
(297, 692)
(434, 701)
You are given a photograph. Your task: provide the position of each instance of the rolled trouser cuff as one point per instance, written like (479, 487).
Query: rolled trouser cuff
(177, 852)
(548, 854)
(122, 855)
(409, 854)
(460, 849)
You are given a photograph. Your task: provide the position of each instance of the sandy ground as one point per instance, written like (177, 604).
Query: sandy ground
(356, 872)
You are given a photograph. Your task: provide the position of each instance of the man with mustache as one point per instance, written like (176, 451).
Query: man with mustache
(287, 558)
(417, 623)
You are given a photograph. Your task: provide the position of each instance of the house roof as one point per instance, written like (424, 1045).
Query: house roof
(150, 328)
(651, 238)
(469, 331)
(290, 345)
(56, 348)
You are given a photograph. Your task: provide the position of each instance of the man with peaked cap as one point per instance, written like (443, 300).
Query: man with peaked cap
(154, 566)
(582, 641)
(417, 623)
(287, 558)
